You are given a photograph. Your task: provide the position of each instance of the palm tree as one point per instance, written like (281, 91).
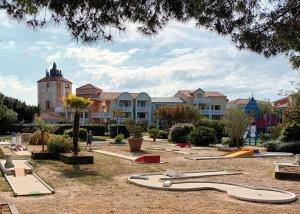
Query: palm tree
(42, 133)
(76, 105)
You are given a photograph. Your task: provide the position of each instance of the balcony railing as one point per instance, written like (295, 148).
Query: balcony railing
(202, 100)
(212, 112)
(142, 109)
(125, 108)
(102, 115)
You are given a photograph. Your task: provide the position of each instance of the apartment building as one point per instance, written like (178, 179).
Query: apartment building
(135, 106)
(211, 104)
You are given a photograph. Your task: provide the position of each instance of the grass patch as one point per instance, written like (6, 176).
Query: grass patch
(4, 187)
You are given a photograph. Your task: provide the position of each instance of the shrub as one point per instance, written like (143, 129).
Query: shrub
(265, 137)
(153, 132)
(292, 147)
(162, 134)
(59, 144)
(202, 136)
(97, 130)
(151, 126)
(122, 129)
(119, 138)
(277, 146)
(217, 125)
(271, 146)
(179, 132)
(291, 132)
(275, 131)
(82, 133)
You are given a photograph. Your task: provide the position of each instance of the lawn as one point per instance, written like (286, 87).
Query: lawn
(103, 188)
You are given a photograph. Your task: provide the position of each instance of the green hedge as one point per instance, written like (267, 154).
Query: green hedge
(82, 133)
(59, 144)
(179, 132)
(291, 132)
(277, 146)
(98, 130)
(216, 125)
(122, 129)
(202, 136)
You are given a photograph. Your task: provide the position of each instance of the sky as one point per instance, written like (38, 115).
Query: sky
(181, 56)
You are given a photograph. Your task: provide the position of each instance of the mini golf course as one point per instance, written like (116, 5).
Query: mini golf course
(166, 181)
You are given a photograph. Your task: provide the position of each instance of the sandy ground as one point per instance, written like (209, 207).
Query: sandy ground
(103, 188)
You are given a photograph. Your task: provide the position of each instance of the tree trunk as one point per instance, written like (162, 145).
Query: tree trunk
(75, 133)
(43, 142)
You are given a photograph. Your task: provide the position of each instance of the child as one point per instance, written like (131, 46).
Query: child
(89, 140)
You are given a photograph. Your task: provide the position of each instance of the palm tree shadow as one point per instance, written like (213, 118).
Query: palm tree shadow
(76, 172)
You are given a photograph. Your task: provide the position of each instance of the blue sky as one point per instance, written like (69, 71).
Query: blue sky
(180, 57)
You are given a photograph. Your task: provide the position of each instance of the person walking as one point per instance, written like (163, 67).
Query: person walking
(89, 140)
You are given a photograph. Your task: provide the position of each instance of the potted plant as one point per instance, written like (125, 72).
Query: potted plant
(136, 133)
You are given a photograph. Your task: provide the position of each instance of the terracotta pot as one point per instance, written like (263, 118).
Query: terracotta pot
(135, 144)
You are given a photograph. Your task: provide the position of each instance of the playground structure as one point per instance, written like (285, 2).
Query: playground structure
(257, 123)
(22, 179)
(179, 181)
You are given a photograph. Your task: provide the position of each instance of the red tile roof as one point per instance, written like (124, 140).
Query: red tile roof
(114, 95)
(51, 79)
(89, 86)
(244, 101)
(188, 93)
(213, 94)
(51, 117)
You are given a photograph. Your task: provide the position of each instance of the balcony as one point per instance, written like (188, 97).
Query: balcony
(59, 109)
(102, 115)
(125, 108)
(142, 109)
(212, 112)
(202, 101)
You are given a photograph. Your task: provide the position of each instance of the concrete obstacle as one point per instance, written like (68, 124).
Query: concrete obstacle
(141, 159)
(161, 181)
(288, 170)
(22, 180)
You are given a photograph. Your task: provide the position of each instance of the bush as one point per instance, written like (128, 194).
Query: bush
(277, 146)
(179, 132)
(265, 137)
(216, 125)
(151, 126)
(202, 136)
(82, 133)
(153, 132)
(119, 138)
(122, 129)
(271, 146)
(162, 134)
(59, 144)
(291, 132)
(97, 130)
(275, 131)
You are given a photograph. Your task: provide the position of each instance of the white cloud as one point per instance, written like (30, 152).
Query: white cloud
(92, 55)
(12, 86)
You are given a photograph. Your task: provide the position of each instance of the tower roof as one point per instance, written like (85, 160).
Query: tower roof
(54, 75)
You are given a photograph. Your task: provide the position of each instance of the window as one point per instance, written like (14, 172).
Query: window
(141, 115)
(67, 85)
(217, 107)
(199, 95)
(47, 105)
(48, 84)
(141, 103)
